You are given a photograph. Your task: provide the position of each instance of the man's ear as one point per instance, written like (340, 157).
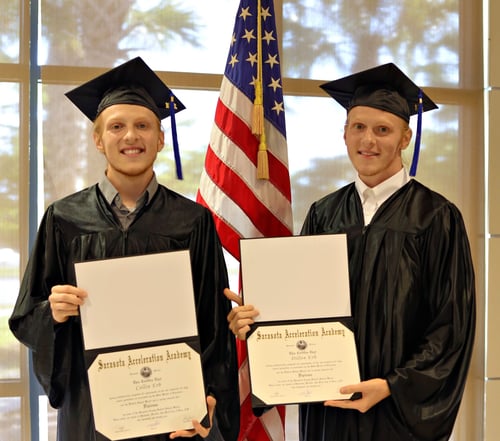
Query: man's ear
(406, 138)
(98, 141)
(161, 141)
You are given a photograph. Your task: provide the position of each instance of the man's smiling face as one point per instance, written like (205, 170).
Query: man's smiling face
(374, 140)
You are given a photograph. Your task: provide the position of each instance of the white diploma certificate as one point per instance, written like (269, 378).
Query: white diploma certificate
(141, 344)
(301, 348)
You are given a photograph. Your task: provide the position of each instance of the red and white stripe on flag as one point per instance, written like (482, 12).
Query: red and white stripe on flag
(243, 205)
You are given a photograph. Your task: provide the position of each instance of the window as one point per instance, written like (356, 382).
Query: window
(12, 358)
(188, 42)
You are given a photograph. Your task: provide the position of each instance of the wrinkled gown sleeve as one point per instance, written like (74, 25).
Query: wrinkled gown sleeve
(218, 356)
(427, 387)
(31, 321)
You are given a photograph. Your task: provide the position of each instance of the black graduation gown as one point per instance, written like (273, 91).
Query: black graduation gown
(413, 304)
(82, 227)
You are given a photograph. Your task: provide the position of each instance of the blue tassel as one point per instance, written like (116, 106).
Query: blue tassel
(177, 156)
(416, 150)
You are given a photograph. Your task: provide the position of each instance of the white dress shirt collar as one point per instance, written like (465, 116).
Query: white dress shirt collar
(373, 197)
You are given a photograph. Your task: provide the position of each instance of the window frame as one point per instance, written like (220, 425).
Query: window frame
(469, 96)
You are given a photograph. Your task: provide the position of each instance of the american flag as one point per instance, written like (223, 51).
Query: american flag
(244, 201)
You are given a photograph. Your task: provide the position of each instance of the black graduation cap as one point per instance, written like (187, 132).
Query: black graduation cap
(132, 82)
(387, 88)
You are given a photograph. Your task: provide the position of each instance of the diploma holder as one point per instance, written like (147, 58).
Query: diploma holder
(141, 345)
(301, 348)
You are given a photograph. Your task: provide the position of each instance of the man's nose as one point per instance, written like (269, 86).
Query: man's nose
(131, 133)
(368, 138)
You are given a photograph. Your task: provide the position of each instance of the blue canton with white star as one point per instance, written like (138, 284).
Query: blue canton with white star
(241, 67)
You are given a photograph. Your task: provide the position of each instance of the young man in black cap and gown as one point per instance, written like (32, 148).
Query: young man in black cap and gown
(128, 213)
(411, 276)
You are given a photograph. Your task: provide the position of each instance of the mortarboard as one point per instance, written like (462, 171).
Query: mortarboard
(132, 82)
(386, 88)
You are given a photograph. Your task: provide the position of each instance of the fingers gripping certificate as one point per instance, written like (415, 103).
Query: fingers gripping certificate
(141, 345)
(302, 347)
